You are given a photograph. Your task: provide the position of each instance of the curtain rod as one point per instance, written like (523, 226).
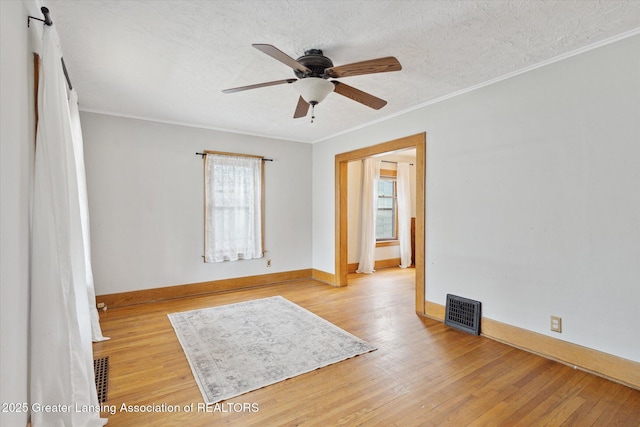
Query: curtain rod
(204, 154)
(47, 21)
(387, 161)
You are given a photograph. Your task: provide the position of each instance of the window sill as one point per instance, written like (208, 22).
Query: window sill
(383, 243)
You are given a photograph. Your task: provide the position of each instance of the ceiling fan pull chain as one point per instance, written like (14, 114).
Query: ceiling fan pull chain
(313, 114)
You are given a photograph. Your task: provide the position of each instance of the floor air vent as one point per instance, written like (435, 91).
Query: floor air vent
(463, 313)
(101, 371)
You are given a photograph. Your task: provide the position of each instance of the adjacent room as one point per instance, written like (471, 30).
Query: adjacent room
(320, 213)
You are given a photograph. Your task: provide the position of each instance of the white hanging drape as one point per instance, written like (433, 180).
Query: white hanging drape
(78, 150)
(233, 208)
(370, 178)
(61, 365)
(404, 213)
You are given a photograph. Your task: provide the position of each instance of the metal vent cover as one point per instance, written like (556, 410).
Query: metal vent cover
(101, 372)
(463, 314)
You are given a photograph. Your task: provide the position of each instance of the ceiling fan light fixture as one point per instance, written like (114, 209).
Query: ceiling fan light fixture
(314, 89)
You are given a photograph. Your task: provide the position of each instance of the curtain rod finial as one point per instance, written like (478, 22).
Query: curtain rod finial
(47, 18)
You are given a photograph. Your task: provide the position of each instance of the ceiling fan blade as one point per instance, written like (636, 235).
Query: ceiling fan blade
(276, 53)
(372, 66)
(301, 109)
(241, 88)
(358, 95)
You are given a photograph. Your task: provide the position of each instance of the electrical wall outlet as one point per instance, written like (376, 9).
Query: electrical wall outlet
(268, 263)
(100, 305)
(556, 324)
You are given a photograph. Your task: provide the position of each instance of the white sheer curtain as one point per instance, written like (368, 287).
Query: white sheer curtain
(78, 150)
(61, 365)
(233, 208)
(404, 213)
(370, 178)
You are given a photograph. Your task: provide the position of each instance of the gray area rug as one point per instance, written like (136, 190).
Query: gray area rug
(237, 348)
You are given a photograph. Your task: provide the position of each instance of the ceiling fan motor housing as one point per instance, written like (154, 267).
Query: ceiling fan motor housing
(316, 62)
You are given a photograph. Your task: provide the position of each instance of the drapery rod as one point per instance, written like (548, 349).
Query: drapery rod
(263, 159)
(387, 161)
(47, 21)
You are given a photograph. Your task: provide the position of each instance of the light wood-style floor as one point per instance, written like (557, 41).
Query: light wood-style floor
(423, 372)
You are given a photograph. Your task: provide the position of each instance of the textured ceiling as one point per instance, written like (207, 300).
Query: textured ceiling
(169, 60)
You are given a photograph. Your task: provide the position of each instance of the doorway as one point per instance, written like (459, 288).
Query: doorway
(418, 142)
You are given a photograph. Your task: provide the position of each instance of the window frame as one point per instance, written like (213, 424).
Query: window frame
(390, 175)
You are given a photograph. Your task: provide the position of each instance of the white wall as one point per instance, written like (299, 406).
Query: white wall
(17, 121)
(145, 187)
(533, 196)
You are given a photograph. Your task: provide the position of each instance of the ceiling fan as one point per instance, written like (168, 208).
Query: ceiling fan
(313, 70)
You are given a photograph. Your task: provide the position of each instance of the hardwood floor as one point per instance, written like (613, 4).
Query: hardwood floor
(423, 373)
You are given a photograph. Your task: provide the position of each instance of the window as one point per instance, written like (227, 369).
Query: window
(386, 217)
(233, 207)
